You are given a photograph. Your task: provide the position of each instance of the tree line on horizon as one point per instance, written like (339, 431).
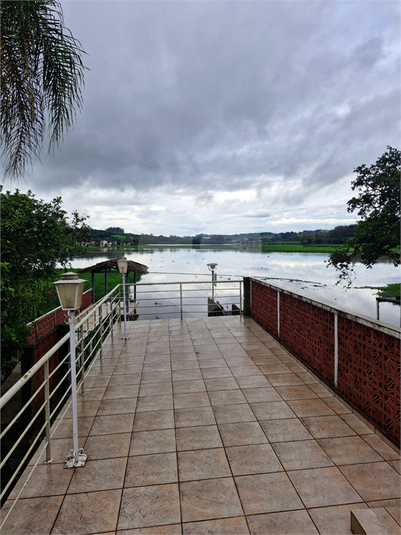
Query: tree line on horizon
(337, 235)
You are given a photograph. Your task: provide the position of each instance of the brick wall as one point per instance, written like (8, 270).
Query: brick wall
(43, 336)
(368, 355)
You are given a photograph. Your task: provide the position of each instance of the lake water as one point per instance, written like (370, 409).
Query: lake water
(304, 273)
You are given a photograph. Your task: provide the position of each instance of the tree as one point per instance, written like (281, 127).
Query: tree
(377, 234)
(41, 78)
(36, 238)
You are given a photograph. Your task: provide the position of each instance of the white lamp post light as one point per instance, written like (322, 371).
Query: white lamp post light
(69, 291)
(123, 268)
(212, 268)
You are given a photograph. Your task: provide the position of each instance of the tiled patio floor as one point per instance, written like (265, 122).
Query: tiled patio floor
(208, 426)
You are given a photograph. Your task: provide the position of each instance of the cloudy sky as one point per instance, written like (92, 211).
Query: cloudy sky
(226, 116)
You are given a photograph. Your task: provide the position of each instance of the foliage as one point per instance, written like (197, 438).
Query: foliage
(377, 234)
(391, 290)
(41, 78)
(36, 237)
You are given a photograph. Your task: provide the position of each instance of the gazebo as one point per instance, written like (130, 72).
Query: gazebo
(111, 265)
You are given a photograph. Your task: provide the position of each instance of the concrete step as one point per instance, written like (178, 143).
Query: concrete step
(376, 521)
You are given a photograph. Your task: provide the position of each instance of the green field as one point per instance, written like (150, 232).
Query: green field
(297, 248)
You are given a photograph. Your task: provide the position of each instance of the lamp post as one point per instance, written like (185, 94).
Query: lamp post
(69, 291)
(212, 268)
(123, 268)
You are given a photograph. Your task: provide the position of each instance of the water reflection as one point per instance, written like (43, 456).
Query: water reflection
(305, 273)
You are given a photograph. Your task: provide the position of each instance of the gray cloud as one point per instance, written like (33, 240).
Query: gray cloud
(228, 96)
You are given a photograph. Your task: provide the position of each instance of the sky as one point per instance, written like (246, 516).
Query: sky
(224, 117)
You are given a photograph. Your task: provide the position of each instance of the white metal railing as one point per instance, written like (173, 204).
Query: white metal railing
(153, 300)
(185, 298)
(92, 326)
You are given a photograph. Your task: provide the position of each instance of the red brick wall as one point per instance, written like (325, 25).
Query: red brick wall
(368, 358)
(43, 337)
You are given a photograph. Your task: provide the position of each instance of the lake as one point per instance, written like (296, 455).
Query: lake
(304, 273)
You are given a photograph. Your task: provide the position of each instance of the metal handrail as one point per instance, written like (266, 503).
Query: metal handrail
(97, 325)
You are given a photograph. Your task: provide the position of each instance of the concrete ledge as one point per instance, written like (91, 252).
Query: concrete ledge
(374, 522)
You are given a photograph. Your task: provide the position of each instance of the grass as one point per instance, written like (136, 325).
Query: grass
(298, 248)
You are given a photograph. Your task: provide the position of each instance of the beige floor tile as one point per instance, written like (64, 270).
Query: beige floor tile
(117, 392)
(97, 475)
(155, 403)
(396, 465)
(272, 410)
(59, 449)
(171, 529)
(158, 366)
(321, 390)
(373, 481)
(186, 375)
(296, 392)
(221, 383)
(224, 526)
(46, 480)
(156, 469)
(356, 424)
(88, 512)
(149, 506)
(191, 399)
(64, 429)
(284, 379)
(156, 377)
(258, 395)
(190, 364)
(117, 406)
(85, 407)
(273, 369)
(327, 426)
(336, 519)
(203, 464)
(382, 448)
(196, 438)
(242, 434)
(301, 454)
(213, 373)
(148, 442)
(33, 516)
(155, 389)
(94, 393)
(245, 371)
(226, 397)
(126, 369)
(265, 493)
(254, 381)
(111, 424)
(319, 487)
(217, 362)
(225, 414)
(209, 499)
(126, 379)
(194, 416)
(337, 405)
(310, 407)
(349, 450)
(289, 522)
(150, 420)
(394, 503)
(183, 387)
(253, 459)
(377, 521)
(107, 446)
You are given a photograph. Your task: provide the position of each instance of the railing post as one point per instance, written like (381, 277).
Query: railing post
(278, 314)
(240, 298)
(47, 412)
(335, 350)
(101, 331)
(181, 301)
(82, 359)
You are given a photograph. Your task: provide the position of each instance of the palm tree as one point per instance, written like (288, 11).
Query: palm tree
(41, 80)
